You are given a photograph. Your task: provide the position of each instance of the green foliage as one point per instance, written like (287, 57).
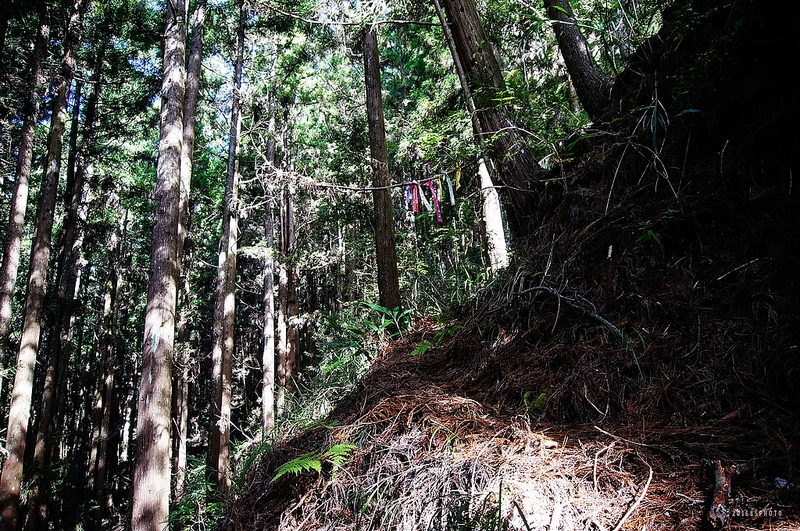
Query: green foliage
(198, 508)
(336, 456)
(537, 403)
(438, 338)
(394, 321)
(422, 348)
(647, 234)
(629, 347)
(345, 348)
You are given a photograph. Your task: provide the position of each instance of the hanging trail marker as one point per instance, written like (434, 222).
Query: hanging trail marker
(435, 202)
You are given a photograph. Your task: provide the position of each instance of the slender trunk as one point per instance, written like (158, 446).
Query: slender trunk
(180, 392)
(71, 261)
(110, 357)
(193, 73)
(492, 214)
(106, 407)
(105, 371)
(492, 220)
(19, 199)
(268, 333)
(282, 329)
(19, 412)
(268, 353)
(67, 285)
(516, 169)
(591, 84)
(95, 410)
(151, 479)
(282, 325)
(386, 254)
(291, 312)
(225, 306)
(70, 269)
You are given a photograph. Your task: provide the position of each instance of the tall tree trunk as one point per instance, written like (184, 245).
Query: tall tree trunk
(591, 84)
(268, 352)
(516, 169)
(67, 285)
(19, 412)
(106, 407)
(180, 392)
(291, 311)
(492, 214)
(282, 329)
(106, 371)
(225, 306)
(386, 254)
(71, 261)
(268, 331)
(19, 199)
(151, 478)
(282, 324)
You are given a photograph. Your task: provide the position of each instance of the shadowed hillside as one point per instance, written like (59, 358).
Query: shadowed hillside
(643, 345)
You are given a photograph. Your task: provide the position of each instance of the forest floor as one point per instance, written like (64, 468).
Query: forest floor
(464, 436)
(636, 367)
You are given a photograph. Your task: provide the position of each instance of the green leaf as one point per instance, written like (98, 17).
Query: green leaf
(298, 465)
(422, 348)
(378, 308)
(535, 405)
(337, 455)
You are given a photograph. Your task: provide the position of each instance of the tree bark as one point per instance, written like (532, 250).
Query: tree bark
(225, 306)
(19, 199)
(180, 392)
(281, 331)
(492, 213)
(268, 331)
(104, 402)
(67, 285)
(283, 370)
(591, 84)
(66, 279)
(516, 169)
(292, 309)
(151, 479)
(19, 411)
(385, 251)
(268, 352)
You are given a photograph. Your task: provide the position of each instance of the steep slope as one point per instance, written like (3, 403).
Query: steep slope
(646, 339)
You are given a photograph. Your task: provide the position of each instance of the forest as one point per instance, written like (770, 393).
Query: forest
(448, 265)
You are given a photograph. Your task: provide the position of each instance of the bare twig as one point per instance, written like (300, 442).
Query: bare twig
(588, 308)
(623, 439)
(594, 469)
(638, 499)
(735, 269)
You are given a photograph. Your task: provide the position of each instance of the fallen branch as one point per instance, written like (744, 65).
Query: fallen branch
(719, 510)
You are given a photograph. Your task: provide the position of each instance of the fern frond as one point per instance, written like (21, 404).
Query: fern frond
(298, 465)
(337, 455)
